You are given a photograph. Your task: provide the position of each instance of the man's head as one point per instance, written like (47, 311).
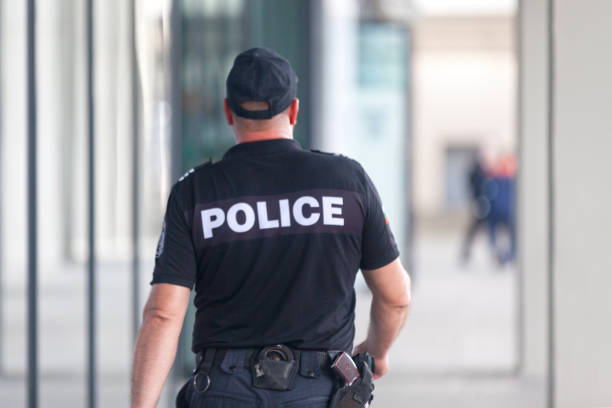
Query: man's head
(261, 98)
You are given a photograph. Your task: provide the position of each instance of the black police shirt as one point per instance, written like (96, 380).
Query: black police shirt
(272, 237)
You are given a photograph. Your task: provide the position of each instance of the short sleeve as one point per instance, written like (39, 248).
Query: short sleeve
(175, 260)
(378, 247)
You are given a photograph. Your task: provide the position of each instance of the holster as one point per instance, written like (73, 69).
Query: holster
(274, 368)
(359, 394)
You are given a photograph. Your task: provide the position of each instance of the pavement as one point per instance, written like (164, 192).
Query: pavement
(458, 347)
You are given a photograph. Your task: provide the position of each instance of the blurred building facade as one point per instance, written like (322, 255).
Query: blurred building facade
(185, 50)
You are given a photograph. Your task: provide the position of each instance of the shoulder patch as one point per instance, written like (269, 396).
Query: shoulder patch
(162, 240)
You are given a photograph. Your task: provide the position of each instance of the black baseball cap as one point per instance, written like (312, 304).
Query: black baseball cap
(260, 74)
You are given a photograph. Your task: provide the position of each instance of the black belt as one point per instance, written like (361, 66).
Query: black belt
(325, 358)
(252, 359)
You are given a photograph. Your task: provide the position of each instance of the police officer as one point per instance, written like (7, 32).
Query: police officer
(271, 238)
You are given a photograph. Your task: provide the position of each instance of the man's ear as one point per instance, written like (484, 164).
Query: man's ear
(229, 116)
(294, 108)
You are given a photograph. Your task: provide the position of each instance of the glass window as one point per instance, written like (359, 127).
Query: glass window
(213, 34)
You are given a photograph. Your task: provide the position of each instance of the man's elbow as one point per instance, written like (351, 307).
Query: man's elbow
(401, 300)
(159, 316)
(166, 305)
(406, 300)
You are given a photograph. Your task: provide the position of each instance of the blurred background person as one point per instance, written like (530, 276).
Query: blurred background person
(479, 209)
(500, 192)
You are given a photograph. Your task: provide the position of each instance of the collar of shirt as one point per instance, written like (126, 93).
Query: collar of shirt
(263, 147)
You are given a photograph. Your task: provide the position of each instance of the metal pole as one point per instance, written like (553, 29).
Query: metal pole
(176, 51)
(551, 379)
(135, 176)
(1, 229)
(32, 397)
(91, 281)
(176, 89)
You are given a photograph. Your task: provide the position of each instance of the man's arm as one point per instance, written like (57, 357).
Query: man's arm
(157, 342)
(390, 286)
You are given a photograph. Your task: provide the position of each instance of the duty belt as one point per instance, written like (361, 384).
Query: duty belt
(324, 357)
(273, 367)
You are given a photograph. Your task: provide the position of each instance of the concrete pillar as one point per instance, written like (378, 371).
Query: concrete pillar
(577, 191)
(533, 185)
(582, 146)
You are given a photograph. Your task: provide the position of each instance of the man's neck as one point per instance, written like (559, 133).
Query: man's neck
(246, 137)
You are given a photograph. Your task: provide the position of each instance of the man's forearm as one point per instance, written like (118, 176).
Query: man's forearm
(153, 358)
(386, 320)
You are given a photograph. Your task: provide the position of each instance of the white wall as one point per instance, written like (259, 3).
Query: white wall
(583, 199)
(464, 84)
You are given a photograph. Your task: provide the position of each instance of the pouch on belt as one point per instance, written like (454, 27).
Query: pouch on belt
(274, 368)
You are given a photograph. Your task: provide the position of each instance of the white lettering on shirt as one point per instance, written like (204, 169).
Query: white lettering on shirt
(298, 210)
(211, 218)
(232, 217)
(241, 217)
(262, 215)
(285, 215)
(332, 206)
